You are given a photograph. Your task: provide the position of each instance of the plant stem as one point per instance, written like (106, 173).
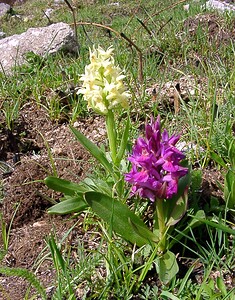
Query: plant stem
(161, 225)
(112, 135)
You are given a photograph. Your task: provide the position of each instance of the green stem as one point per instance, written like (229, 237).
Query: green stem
(112, 135)
(161, 225)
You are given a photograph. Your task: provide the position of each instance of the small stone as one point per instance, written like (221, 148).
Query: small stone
(186, 7)
(58, 2)
(76, 124)
(39, 224)
(4, 9)
(57, 150)
(49, 291)
(2, 35)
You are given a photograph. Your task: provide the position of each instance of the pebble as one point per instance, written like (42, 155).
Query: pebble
(76, 124)
(58, 2)
(2, 35)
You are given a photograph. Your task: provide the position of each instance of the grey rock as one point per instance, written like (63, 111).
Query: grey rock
(57, 2)
(41, 41)
(4, 9)
(219, 5)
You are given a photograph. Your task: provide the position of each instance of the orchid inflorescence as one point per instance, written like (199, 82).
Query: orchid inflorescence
(156, 167)
(103, 86)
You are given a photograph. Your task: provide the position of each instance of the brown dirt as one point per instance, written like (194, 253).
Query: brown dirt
(212, 25)
(29, 199)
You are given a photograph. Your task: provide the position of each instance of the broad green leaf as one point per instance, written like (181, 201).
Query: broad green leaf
(176, 206)
(121, 219)
(141, 231)
(64, 186)
(166, 266)
(178, 210)
(68, 206)
(93, 149)
(123, 143)
(97, 185)
(229, 189)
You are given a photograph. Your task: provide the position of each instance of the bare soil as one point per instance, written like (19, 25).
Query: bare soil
(26, 151)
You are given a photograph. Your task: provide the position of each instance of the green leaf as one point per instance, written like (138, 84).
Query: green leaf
(231, 153)
(93, 149)
(97, 185)
(169, 295)
(56, 255)
(167, 267)
(194, 222)
(68, 206)
(176, 207)
(218, 159)
(64, 186)
(229, 189)
(121, 219)
(123, 143)
(222, 227)
(179, 209)
(221, 285)
(141, 231)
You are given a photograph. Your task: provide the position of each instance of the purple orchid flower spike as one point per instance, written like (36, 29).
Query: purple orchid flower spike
(156, 167)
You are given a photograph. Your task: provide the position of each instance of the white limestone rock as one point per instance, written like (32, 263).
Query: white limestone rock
(41, 41)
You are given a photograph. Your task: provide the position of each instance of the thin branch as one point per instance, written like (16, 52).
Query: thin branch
(145, 27)
(74, 19)
(165, 8)
(163, 25)
(99, 25)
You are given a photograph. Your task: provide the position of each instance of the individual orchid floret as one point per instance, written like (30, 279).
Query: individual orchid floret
(103, 86)
(156, 167)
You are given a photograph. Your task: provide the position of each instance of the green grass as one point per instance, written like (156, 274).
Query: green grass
(206, 120)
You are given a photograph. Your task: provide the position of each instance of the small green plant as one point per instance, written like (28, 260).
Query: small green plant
(63, 278)
(229, 184)
(11, 111)
(6, 231)
(156, 172)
